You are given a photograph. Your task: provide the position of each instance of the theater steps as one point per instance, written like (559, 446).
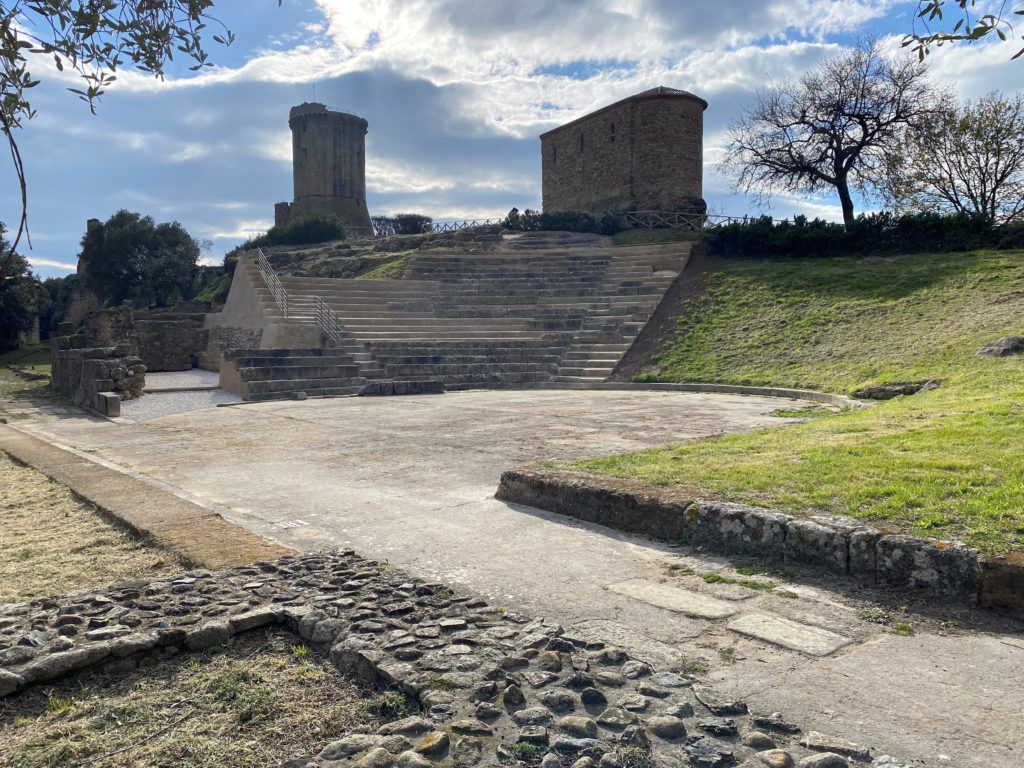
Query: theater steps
(276, 374)
(546, 307)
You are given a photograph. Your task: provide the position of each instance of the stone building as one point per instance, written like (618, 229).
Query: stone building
(328, 167)
(644, 153)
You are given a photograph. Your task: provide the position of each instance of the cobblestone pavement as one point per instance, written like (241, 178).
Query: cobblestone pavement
(411, 480)
(491, 685)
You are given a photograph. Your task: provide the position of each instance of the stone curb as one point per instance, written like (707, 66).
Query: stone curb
(838, 546)
(840, 401)
(194, 534)
(486, 684)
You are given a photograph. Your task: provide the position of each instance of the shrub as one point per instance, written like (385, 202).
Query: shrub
(304, 231)
(875, 233)
(411, 223)
(563, 221)
(1011, 236)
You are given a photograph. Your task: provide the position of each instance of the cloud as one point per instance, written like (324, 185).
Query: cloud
(36, 261)
(456, 93)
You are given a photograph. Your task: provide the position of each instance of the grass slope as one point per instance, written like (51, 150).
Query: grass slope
(947, 463)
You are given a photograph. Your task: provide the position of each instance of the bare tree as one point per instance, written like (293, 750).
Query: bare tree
(969, 158)
(833, 127)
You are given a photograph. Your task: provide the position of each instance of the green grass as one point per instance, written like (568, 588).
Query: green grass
(390, 270)
(29, 357)
(948, 463)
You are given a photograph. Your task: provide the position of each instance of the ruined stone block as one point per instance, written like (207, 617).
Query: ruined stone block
(936, 566)
(815, 544)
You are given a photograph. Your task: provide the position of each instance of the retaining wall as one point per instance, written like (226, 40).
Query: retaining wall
(839, 546)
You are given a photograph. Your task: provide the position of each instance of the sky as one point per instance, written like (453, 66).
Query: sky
(456, 93)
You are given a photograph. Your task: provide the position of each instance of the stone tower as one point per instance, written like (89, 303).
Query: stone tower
(328, 167)
(644, 153)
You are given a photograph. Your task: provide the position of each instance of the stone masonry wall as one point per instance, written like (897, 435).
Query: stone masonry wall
(643, 153)
(97, 365)
(98, 378)
(490, 687)
(225, 337)
(171, 342)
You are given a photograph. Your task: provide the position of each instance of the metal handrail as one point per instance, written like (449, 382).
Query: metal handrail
(301, 308)
(270, 278)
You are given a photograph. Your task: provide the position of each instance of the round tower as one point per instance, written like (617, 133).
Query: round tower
(329, 165)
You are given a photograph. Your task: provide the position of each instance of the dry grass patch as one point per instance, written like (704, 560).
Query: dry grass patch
(257, 703)
(52, 542)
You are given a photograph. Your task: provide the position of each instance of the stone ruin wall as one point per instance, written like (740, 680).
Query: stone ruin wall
(643, 153)
(97, 365)
(224, 337)
(173, 341)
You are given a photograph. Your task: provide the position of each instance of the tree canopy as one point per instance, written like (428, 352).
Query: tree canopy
(95, 39)
(969, 158)
(21, 296)
(832, 128)
(130, 257)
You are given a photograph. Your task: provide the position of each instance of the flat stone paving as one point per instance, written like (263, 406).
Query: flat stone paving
(411, 480)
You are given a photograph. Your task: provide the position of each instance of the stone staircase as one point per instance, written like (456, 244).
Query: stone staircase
(276, 374)
(546, 307)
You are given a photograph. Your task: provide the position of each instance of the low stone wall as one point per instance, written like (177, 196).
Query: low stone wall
(839, 546)
(224, 337)
(98, 378)
(96, 365)
(171, 342)
(491, 686)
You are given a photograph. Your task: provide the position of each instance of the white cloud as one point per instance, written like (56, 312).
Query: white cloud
(36, 261)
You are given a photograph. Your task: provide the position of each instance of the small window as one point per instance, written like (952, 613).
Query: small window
(554, 154)
(612, 135)
(581, 142)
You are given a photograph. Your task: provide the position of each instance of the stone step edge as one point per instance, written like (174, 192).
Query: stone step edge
(839, 546)
(826, 398)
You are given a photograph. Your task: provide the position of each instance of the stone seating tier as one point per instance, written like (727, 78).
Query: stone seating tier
(546, 307)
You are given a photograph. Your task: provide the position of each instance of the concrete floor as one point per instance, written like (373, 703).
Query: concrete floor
(411, 480)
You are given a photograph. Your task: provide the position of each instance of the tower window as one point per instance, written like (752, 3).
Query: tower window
(612, 135)
(581, 142)
(554, 154)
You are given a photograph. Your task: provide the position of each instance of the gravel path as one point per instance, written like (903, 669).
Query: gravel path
(155, 405)
(179, 379)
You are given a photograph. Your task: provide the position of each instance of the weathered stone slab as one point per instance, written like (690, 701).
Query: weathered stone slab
(936, 566)
(675, 599)
(804, 638)
(811, 543)
(739, 528)
(1002, 583)
(863, 553)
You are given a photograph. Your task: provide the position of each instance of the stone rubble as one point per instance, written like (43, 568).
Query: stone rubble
(492, 687)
